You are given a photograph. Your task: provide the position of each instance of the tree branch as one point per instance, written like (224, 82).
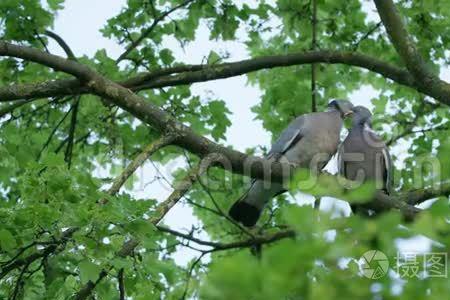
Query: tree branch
(75, 103)
(87, 289)
(139, 160)
(60, 41)
(9, 108)
(366, 35)
(53, 132)
(200, 73)
(71, 137)
(53, 247)
(410, 131)
(421, 195)
(383, 202)
(181, 188)
(149, 30)
(120, 279)
(407, 50)
(256, 240)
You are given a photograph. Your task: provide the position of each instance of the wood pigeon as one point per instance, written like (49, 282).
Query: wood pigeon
(309, 141)
(363, 155)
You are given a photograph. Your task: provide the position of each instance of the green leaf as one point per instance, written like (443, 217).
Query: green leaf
(88, 271)
(7, 240)
(213, 58)
(141, 228)
(53, 160)
(55, 4)
(362, 193)
(166, 56)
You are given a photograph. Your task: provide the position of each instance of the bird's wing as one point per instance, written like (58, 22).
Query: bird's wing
(288, 137)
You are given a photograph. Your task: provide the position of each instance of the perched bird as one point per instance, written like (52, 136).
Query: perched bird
(308, 142)
(363, 155)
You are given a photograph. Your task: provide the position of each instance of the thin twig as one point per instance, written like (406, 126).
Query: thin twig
(214, 202)
(139, 160)
(189, 274)
(19, 283)
(149, 30)
(6, 109)
(313, 48)
(71, 137)
(121, 285)
(366, 35)
(181, 188)
(53, 132)
(76, 101)
(60, 41)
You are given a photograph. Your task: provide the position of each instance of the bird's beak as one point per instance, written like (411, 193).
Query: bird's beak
(348, 114)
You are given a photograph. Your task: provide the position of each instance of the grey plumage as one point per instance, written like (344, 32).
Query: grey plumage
(308, 142)
(363, 155)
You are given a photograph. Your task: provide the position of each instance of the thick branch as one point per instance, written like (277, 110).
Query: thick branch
(421, 195)
(67, 87)
(201, 73)
(410, 55)
(60, 41)
(268, 62)
(384, 202)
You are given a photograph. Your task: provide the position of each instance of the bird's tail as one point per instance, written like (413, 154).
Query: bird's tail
(248, 208)
(245, 213)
